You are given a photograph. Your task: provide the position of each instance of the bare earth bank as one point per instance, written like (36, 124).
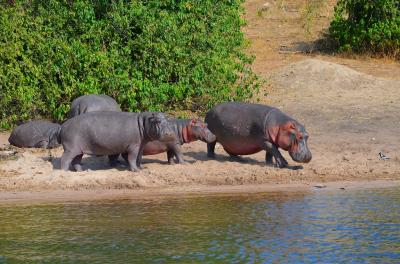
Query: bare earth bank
(348, 121)
(349, 107)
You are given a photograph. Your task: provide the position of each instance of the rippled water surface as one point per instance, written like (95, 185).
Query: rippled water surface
(322, 227)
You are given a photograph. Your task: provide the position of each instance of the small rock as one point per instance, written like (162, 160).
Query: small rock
(266, 6)
(382, 156)
(320, 186)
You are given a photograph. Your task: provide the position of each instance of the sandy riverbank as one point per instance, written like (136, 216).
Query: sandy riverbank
(70, 196)
(349, 107)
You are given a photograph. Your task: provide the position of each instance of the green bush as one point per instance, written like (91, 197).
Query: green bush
(367, 26)
(148, 55)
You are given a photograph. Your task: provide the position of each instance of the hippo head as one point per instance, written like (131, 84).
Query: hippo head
(158, 128)
(292, 137)
(54, 140)
(198, 130)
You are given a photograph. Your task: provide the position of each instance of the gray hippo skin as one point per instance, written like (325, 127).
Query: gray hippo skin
(186, 131)
(93, 103)
(244, 129)
(35, 134)
(111, 133)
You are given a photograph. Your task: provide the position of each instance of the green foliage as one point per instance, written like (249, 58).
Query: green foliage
(148, 55)
(367, 25)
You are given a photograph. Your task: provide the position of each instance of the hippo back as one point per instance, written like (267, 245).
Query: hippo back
(93, 103)
(39, 134)
(237, 119)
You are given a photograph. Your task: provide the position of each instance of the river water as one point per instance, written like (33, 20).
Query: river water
(359, 226)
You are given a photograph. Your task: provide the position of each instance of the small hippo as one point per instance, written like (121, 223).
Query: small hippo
(186, 131)
(92, 103)
(244, 129)
(35, 134)
(111, 133)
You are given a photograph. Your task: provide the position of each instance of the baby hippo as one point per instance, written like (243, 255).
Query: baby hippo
(111, 133)
(186, 131)
(93, 103)
(244, 129)
(35, 134)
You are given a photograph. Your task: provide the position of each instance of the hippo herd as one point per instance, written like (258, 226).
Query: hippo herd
(97, 126)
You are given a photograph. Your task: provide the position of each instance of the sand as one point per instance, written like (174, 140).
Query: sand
(351, 114)
(348, 121)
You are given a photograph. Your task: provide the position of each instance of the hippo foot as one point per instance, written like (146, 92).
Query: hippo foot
(281, 164)
(116, 163)
(211, 155)
(237, 158)
(296, 167)
(77, 167)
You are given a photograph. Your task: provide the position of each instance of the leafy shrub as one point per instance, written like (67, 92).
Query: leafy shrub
(148, 55)
(365, 25)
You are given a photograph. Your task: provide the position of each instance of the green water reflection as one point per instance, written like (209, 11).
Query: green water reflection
(319, 227)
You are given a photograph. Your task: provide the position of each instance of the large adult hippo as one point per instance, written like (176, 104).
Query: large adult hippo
(244, 129)
(111, 133)
(35, 134)
(186, 131)
(93, 103)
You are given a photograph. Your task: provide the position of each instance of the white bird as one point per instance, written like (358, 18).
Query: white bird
(383, 156)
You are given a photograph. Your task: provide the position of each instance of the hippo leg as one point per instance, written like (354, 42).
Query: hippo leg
(234, 157)
(176, 151)
(135, 157)
(66, 160)
(125, 157)
(170, 157)
(139, 157)
(268, 158)
(113, 160)
(132, 159)
(280, 160)
(211, 150)
(76, 163)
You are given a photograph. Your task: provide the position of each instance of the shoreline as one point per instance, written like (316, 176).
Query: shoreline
(142, 194)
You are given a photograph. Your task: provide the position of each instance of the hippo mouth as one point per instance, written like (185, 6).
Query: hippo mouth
(209, 138)
(302, 157)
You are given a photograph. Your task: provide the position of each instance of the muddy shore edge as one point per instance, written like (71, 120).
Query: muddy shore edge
(74, 196)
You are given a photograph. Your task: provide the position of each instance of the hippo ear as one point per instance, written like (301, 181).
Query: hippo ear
(273, 132)
(154, 118)
(290, 126)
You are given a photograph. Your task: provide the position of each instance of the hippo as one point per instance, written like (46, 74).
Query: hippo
(186, 131)
(244, 129)
(35, 134)
(92, 103)
(111, 133)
